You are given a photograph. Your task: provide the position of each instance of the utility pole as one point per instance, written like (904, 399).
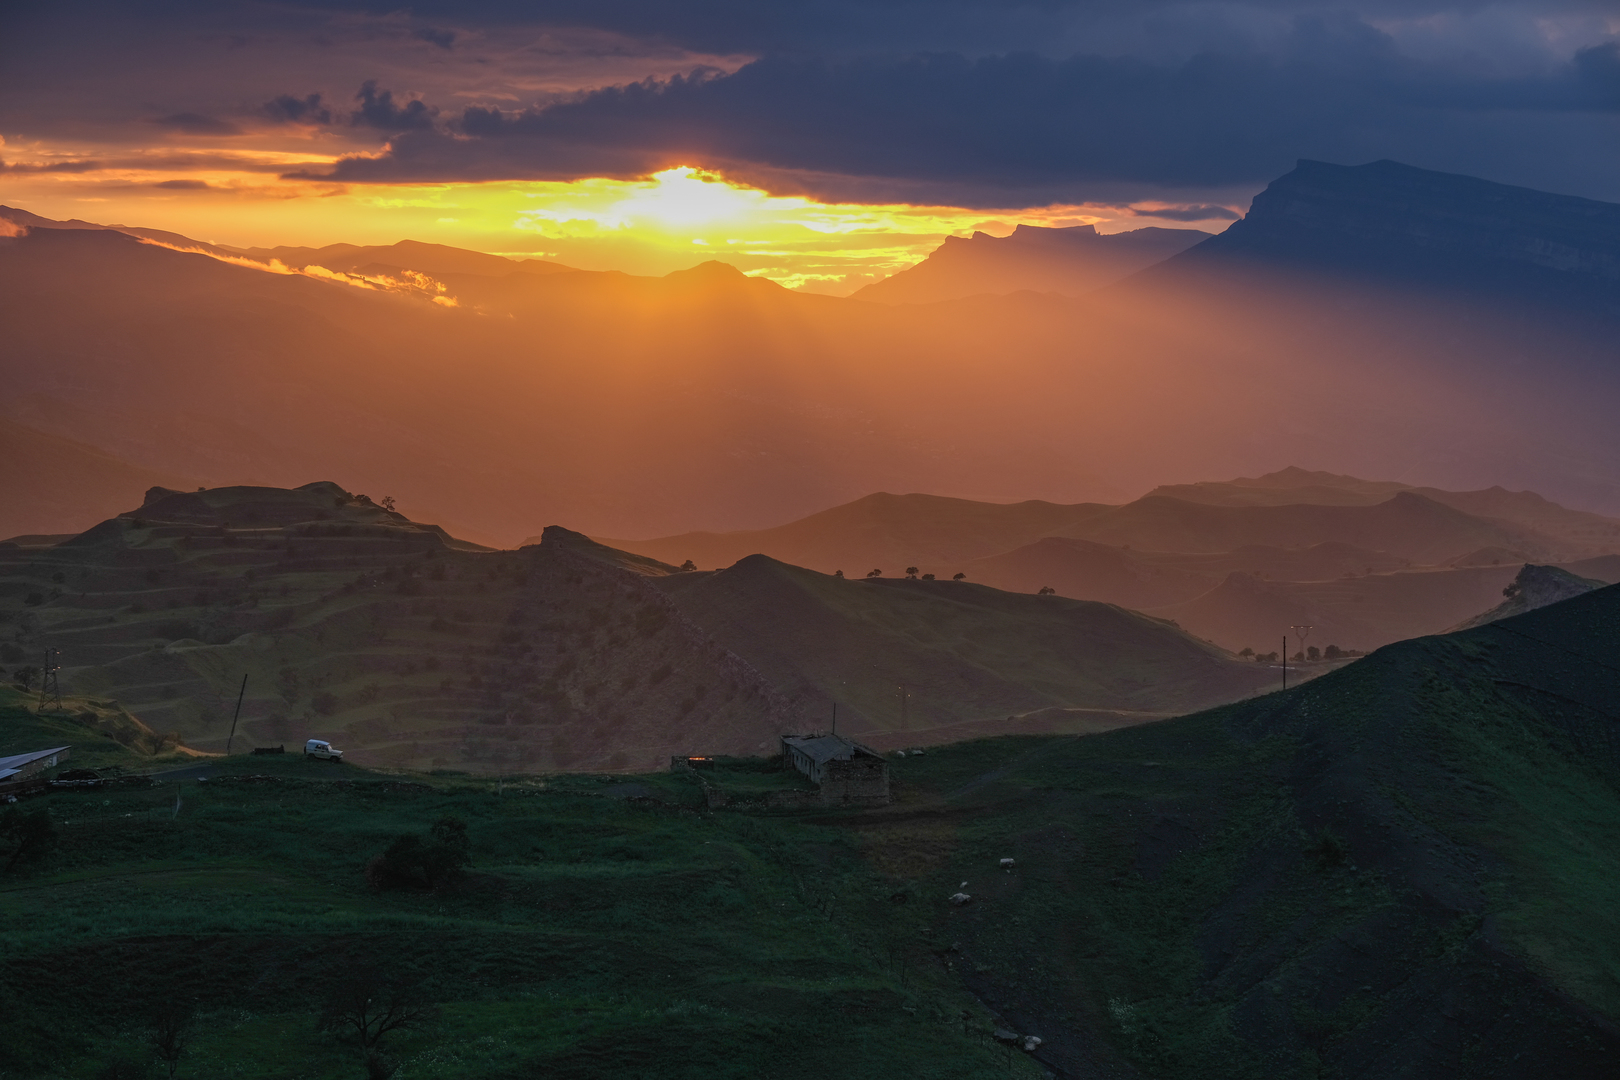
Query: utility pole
(239, 695)
(50, 684)
(835, 718)
(1306, 628)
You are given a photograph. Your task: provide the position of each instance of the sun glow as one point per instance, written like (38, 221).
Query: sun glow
(651, 225)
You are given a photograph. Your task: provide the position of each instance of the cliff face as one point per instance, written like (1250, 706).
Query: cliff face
(1407, 226)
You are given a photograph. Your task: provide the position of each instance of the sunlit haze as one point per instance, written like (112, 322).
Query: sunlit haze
(666, 221)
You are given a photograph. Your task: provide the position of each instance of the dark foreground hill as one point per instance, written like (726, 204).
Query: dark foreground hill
(1403, 869)
(413, 649)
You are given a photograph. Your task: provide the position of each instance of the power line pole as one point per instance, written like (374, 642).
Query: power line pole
(50, 684)
(239, 695)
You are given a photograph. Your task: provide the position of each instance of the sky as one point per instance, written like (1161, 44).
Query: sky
(822, 143)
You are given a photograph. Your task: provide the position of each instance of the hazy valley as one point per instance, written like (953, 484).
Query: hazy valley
(1309, 772)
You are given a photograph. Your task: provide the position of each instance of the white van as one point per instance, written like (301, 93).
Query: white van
(322, 750)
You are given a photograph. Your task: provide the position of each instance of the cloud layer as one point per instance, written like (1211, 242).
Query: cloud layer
(969, 102)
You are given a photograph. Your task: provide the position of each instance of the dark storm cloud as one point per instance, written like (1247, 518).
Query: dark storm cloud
(988, 103)
(286, 109)
(1335, 87)
(378, 110)
(1187, 213)
(845, 27)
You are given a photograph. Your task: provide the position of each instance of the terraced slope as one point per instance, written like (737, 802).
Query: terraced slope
(409, 648)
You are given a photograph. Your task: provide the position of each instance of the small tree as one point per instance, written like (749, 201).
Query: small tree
(171, 1032)
(371, 1002)
(26, 677)
(928, 577)
(958, 576)
(1332, 652)
(388, 503)
(688, 565)
(838, 573)
(1047, 590)
(1313, 653)
(26, 835)
(874, 573)
(1299, 657)
(911, 572)
(1246, 653)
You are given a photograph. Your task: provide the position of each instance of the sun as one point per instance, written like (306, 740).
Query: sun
(684, 197)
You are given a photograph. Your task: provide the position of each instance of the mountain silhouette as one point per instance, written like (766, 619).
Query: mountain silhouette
(1399, 226)
(1070, 261)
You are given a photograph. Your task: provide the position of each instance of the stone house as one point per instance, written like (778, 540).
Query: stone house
(846, 772)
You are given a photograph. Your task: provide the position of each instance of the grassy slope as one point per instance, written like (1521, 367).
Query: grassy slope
(1401, 869)
(596, 936)
(101, 733)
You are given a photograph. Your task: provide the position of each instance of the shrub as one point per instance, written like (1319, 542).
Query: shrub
(413, 861)
(25, 835)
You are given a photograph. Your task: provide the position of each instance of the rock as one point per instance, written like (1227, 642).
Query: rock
(1007, 864)
(899, 753)
(1002, 1035)
(960, 898)
(1031, 1042)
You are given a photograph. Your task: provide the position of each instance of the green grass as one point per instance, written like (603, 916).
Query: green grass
(1277, 888)
(594, 936)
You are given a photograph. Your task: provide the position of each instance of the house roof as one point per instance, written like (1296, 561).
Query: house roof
(822, 748)
(18, 761)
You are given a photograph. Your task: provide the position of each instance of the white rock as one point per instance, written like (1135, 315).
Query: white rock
(960, 898)
(1007, 864)
(1031, 1042)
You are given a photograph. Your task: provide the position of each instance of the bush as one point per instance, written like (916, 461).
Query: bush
(412, 861)
(25, 835)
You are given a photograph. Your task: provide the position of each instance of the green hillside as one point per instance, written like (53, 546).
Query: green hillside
(1404, 868)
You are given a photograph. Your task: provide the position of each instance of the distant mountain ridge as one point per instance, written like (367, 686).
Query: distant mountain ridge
(415, 255)
(1071, 261)
(1236, 562)
(1292, 508)
(49, 482)
(1403, 226)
